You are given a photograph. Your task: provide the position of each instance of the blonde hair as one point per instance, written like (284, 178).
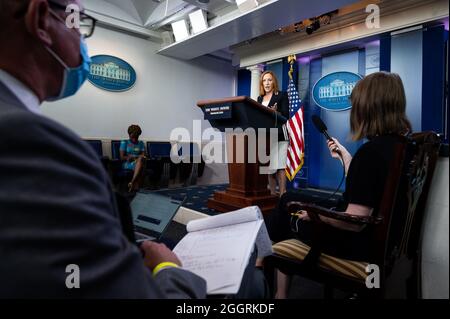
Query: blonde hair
(262, 92)
(378, 106)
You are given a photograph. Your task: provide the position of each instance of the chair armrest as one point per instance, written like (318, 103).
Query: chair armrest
(315, 211)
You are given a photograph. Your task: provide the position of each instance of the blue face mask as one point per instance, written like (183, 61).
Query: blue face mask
(73, 77)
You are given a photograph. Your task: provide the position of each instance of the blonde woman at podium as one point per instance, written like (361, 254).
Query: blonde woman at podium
(270, 96)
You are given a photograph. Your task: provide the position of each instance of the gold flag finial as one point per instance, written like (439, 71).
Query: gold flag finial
(291, 60)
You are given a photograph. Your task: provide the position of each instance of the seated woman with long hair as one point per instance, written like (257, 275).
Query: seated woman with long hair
(378, 115)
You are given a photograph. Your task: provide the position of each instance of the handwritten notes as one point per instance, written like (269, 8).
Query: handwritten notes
(218, 248)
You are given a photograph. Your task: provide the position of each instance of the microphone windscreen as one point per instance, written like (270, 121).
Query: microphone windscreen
(319, 124)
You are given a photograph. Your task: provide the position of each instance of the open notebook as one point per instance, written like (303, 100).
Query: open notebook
(218, 248)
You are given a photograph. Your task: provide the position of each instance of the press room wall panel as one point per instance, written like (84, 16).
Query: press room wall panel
(244, 82)
(433, 85)
(372, 58)
(277, 69)
(163, 98)
(337, 122)
(409, 67)
(314, 138)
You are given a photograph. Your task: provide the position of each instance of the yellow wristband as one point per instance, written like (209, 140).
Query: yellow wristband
(163, 265)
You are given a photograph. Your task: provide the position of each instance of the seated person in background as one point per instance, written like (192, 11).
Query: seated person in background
(132, 151)
(378, 114)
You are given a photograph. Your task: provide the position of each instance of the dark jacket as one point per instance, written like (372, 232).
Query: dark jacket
(57, 208)
(282, 101)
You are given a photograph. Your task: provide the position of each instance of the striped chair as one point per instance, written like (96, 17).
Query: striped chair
(395, 237)
(297, 250)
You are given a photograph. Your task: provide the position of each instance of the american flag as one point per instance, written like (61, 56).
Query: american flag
(295, 128)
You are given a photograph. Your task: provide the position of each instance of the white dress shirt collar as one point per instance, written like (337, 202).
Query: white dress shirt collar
(21, 91)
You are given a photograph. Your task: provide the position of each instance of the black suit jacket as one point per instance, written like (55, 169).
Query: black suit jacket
(57, 209)
(282, 101)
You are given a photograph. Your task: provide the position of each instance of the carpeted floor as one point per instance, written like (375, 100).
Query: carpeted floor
(196, 196)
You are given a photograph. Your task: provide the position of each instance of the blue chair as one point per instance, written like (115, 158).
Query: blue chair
(98, 149)
(96, 146)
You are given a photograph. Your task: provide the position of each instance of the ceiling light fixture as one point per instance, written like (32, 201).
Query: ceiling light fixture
(198, 20)
(314, 26)
(309, 25)
(180, 30)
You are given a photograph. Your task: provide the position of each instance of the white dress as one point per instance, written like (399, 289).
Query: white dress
(278, 153)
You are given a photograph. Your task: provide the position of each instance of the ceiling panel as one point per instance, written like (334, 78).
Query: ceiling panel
(108, 8)
(126, 6)
(264, 19)
(213, 5)
(153, 12)
(228, 26)
(145, 7)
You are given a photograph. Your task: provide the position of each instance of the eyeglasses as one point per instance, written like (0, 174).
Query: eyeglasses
(87, 23)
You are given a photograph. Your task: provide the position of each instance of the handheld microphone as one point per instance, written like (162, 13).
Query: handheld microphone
(322, 128)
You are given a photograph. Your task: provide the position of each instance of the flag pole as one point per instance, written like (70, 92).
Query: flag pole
(294, 125)
(291, 61)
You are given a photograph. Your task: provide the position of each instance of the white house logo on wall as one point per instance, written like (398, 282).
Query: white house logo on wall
(332, 92)
(111, 73)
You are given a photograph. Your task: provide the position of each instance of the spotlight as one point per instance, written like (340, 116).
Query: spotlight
(298, 27)
(314, 26)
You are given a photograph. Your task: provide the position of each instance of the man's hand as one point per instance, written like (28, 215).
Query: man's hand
(304, 215)
(275, 107)
(155, 253)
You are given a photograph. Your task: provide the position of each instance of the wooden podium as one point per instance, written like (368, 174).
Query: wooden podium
(247, 186)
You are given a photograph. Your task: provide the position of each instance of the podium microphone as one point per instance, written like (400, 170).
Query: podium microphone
(322, 128)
